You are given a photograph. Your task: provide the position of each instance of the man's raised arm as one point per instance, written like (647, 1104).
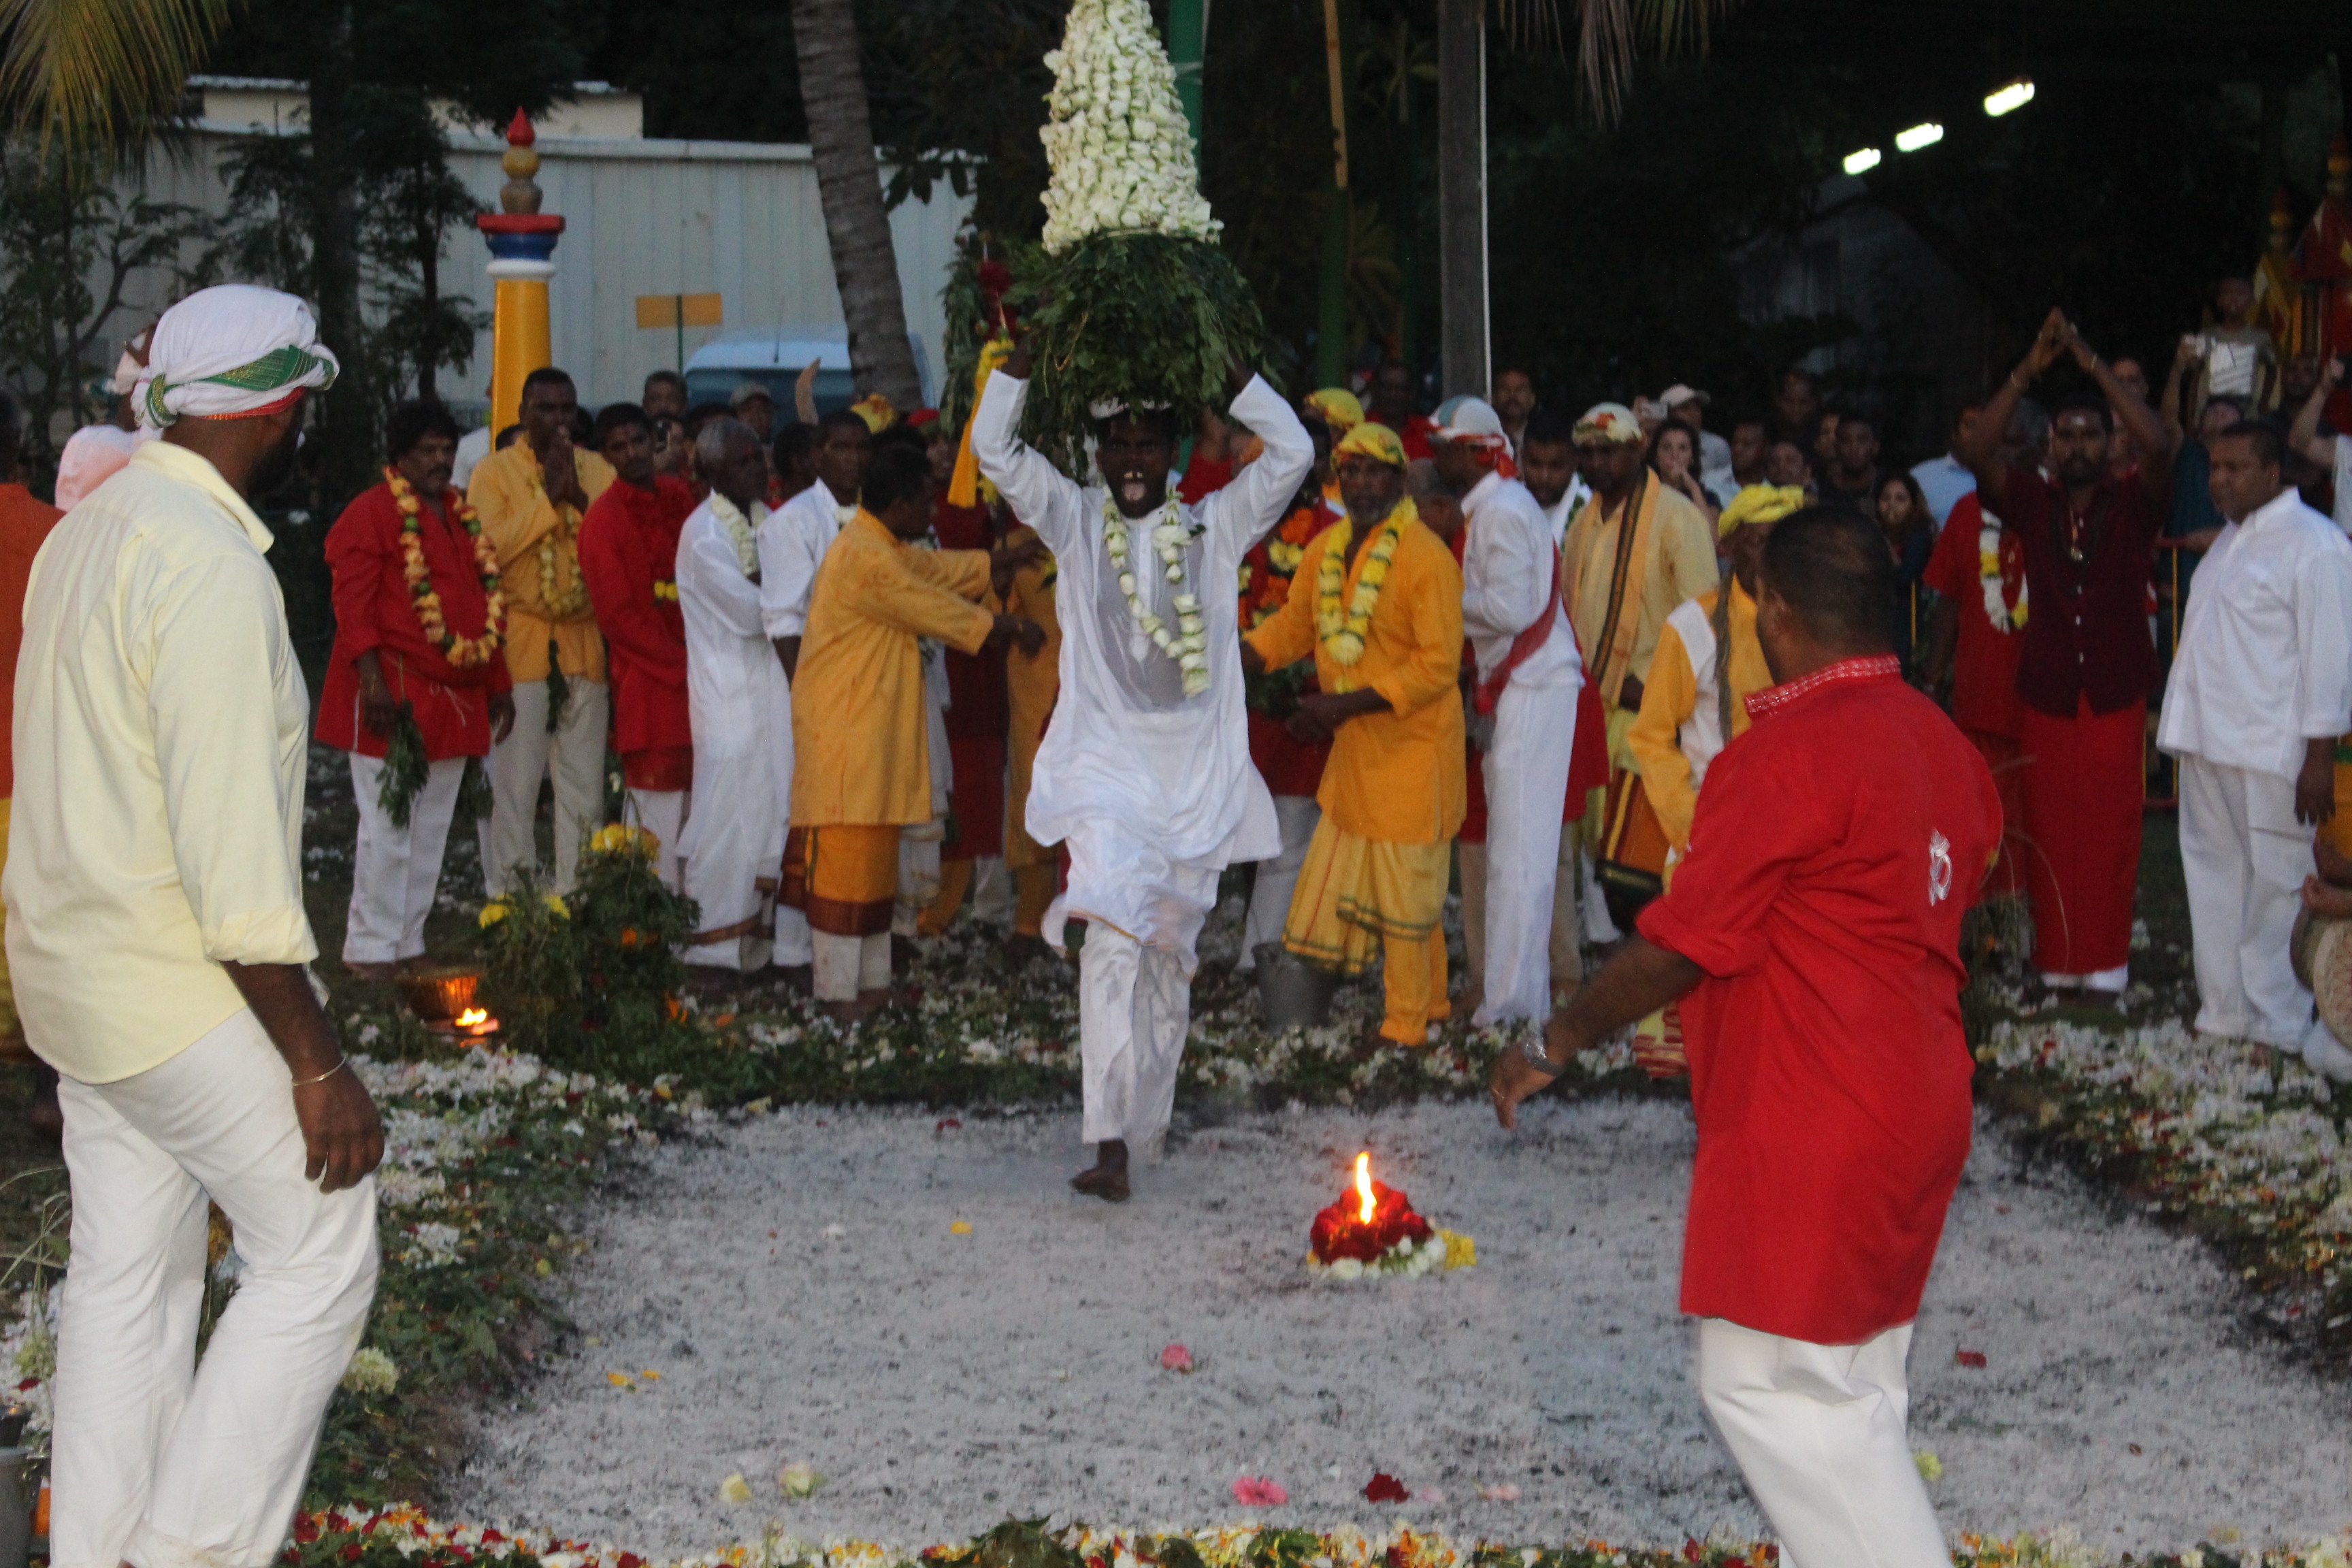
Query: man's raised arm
(1031, 485)
(1260, 495)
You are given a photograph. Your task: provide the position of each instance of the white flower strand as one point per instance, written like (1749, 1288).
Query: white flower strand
(1187, 645)
(1116, 137)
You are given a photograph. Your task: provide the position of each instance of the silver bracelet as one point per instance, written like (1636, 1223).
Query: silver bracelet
(340, 1062)
(1531, 1048)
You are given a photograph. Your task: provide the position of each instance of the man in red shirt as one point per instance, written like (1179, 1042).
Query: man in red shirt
(977, 718)
(25, 522)
(428, 653)
(628, 561)
(1977, 634)
(1813, 936)
(2087, 660)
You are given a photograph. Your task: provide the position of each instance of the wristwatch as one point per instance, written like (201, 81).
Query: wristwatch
(1531, 1048)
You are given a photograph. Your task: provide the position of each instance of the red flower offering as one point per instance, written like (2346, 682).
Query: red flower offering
(1369, 1223)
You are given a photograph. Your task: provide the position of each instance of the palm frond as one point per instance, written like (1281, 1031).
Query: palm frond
(1609, 36)
(83, 71)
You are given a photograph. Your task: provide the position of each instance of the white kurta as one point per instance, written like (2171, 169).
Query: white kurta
(741, 710)
(1148, 787)
(793, 543)
(1509, 574)
(2264, 667)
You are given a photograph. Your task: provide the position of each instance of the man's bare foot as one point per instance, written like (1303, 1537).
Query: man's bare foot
(1025, 948)
(2326, 898)
(866, 1004)
(800, 978)
(377, 972)
(904, 953)
(1106, 1179)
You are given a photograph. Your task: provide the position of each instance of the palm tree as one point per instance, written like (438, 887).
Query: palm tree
(849, 187)
(89, 72)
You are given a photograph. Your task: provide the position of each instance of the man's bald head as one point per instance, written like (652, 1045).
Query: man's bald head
(1831, 572)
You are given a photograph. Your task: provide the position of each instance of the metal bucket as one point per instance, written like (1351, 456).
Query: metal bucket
(16, 1489)
(1295, 996)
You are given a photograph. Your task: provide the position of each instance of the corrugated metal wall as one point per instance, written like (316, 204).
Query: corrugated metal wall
(649, 216)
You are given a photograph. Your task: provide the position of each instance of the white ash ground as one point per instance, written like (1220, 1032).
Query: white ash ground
(944, 1381)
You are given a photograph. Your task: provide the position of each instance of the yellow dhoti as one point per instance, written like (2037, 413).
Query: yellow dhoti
(845, 875)
(1359, 895)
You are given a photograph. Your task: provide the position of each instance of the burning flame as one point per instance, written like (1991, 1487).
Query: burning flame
(1364, 1187)
(472, 1018)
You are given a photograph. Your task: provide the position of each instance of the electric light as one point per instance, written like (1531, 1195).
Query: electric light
(1919, 136)
(2012, 94)
(1862, 162)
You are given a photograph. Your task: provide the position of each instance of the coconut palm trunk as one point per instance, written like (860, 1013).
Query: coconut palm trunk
(849, 185)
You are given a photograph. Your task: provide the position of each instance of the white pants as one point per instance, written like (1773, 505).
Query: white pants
(159, 1461)
(1134, 1006)
(396, 870)
(575, 753)
(1567, 952)
(846, 965)
(662, 813)
(1277, 879)
(1526, 790)
(1821, 1433)
(735, 841)
(2244, 857)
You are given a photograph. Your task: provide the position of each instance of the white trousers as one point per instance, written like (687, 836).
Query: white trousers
(735, 840)
(575, 754)
(1526, 790)
(662, 813)
(1277, 879)
(395, 871)
(846, 965)
(2244, 857)
(1566, 952)
(160, 1460)
(1821, 1434)
(1134, 1006)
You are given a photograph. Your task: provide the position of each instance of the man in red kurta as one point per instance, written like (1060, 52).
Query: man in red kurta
(1813, 935)
(628, 560)
(977, 719)
(398, 659)
(2088, 659)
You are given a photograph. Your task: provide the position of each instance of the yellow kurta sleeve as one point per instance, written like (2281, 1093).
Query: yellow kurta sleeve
(1287, 636)
(901, 591)
(1669, 695)
(1433, 668)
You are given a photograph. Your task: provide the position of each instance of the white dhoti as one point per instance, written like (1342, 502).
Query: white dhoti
(734, 844)
(1278, 878)
(1821, 1432)
(1527, 789)
(158, 1459)
(662, 813)
(1134, 1006)
(1567, 926)
(575, 754)
(2244, 857)
(395, 871)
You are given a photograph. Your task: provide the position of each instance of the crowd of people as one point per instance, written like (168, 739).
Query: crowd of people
(859, 668)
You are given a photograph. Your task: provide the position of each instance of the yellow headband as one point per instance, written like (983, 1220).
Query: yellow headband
(1371, 439)
(1340, 408)
(1758, 503)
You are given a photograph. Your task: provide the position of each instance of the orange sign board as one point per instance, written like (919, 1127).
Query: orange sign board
(678, 310)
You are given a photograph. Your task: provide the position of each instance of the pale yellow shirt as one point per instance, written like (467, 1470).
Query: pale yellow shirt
(162, 729)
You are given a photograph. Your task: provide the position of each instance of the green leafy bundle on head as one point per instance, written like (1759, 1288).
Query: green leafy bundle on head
(1130, 300)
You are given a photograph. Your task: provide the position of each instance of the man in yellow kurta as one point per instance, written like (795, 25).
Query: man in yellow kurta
(861, 742)
(1031, 682)
(530, 498)
(1377, 600)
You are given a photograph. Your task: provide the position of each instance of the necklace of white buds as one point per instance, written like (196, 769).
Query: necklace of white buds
(1187, 645)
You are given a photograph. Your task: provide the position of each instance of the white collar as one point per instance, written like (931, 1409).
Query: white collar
(2277, 509)
(1483, 489)
(189, 468)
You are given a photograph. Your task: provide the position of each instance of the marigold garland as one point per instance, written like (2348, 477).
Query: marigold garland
(461, 652)
(2004, 617)
(1342, 635)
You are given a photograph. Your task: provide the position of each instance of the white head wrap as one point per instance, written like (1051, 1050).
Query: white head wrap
(231, 351)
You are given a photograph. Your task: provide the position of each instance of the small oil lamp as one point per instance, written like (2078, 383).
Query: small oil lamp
(1368, 1222)
(473, 1024)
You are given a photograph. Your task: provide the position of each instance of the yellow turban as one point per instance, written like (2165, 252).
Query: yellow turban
(1371, 439)
(876, 411)
(1340, 408)
(1758, 503)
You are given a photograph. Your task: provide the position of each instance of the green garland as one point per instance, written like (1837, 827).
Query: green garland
(1142, 318)
(405, 768)
(973, 315)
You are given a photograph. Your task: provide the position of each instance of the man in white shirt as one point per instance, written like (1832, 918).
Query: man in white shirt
(1944, 480)
(792, 541)
(740, 710)
(1528, 676)
(2332, 452)
(160, 952)
(1144, 772)
(2260, 689)
(1549, 467)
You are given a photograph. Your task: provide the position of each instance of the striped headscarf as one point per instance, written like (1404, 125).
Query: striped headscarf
(231, 353)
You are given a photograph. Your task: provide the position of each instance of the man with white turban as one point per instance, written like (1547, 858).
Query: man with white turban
(159, 950)
(1145, 770)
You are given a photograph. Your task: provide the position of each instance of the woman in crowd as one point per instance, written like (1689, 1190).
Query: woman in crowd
(1910, 531)
(1673, 455)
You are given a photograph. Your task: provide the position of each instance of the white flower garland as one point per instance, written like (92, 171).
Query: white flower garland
(1988, 576)
(1187, 645)
(1116, 137)
(741, 532)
